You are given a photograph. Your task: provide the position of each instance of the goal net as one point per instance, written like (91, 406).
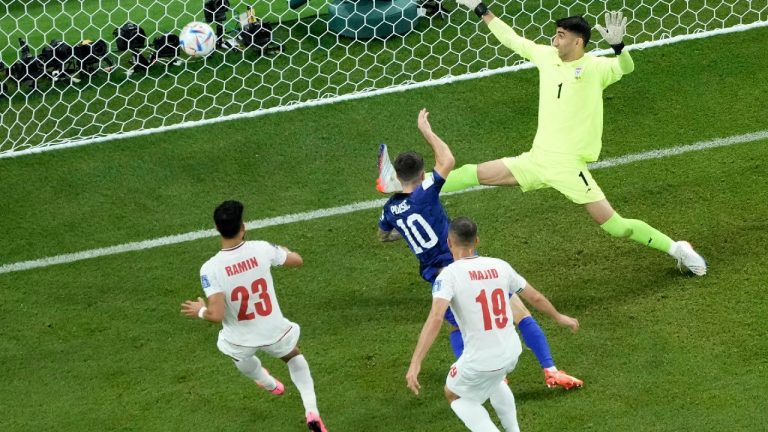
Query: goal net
(72, 83)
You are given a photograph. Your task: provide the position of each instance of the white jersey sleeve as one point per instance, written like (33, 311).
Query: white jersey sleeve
(209, 281)
(279, 255)
(517, 283)
(444, 286)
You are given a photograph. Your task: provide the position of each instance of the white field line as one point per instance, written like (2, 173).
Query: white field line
(351, 208)
(76, 142)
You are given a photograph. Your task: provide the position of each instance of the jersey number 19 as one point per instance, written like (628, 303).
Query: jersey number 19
(499, 306)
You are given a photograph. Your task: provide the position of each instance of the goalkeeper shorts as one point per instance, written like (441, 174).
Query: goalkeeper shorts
(565, 173)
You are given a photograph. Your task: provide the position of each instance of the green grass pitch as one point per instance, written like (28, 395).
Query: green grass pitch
(99, 345)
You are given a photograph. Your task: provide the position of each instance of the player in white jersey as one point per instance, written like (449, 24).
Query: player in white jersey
(478, 290)
(241, 296)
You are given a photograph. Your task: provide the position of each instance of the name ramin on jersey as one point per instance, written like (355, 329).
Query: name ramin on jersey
(242, 266)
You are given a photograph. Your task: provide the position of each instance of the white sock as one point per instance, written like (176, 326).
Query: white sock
(251, 367)
(299, 369)
(673, 249)
(503, 402)
(474, 416)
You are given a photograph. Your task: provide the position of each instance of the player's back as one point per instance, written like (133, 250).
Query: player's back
(421, 219)
(242, 274)
(479, 288)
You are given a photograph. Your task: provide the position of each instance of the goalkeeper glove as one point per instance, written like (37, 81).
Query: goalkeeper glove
(614, 30)
(475, 5)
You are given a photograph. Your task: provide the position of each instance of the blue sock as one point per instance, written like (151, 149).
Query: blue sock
(457, 343)
(535, 339)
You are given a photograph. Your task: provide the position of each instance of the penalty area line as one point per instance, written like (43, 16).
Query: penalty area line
(354, 207)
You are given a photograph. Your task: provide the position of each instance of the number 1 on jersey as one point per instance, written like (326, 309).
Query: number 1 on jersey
(499, 305)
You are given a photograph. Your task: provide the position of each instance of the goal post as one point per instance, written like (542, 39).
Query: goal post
(318, 51)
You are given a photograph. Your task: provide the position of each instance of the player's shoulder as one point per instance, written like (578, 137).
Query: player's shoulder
(260, 246)
(501, 263)
(496, 263)
(598, 60)
(453, 268)
(208, 264)
(396, 199)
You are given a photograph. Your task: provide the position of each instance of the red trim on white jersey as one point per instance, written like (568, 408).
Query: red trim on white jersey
(234, 247)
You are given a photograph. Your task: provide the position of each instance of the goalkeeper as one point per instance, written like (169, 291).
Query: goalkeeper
(570, 127)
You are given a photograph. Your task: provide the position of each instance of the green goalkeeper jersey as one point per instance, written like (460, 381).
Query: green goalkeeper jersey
(570, 94)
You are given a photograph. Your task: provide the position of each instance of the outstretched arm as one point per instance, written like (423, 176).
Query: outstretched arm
(388, 236)
(214, 311)
(444, 161)
(504, 33)
(542, 304)
(614, 31)
(426, 339)
(292, 259)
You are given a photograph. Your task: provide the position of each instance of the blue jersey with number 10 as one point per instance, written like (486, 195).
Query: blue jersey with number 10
(421, 219)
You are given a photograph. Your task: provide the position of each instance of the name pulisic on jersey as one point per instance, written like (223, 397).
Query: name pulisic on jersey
(400, 208)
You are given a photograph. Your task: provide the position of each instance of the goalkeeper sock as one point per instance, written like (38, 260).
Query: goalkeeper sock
(457, 342)
(461, 178)
(535, 339)
(638, 231)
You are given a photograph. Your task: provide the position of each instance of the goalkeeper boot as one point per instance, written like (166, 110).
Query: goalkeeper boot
(686, 257)
(387, 181)
(279, 387)
(554, 378)
(315, 423)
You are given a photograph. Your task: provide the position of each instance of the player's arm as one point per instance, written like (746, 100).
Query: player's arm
(292, 259)
(613, 33)
(542, 304)
(427, 337)
(387, 231)
(503, 32)
(213, 312)
(387, 236)
(444, 161)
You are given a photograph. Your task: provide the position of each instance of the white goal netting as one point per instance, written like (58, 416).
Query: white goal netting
(71, 82)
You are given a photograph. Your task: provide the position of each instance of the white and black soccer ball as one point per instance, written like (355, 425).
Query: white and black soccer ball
(197, 39)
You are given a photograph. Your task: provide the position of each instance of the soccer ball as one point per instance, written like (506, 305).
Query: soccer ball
(197, 39)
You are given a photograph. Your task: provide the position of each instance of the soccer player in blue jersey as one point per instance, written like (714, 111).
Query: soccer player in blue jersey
(417, 215)
(570, 128)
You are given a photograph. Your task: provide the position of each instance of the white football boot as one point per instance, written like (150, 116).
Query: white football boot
(387, 181)
(686, 257)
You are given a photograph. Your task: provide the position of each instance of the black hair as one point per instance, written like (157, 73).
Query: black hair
(464, 231)
(576, 24)
(228, 217)
(409, 166)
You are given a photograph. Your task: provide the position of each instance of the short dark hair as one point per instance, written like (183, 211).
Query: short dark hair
(409, 166)
(228, 217)
(464, 231)
(576, 24)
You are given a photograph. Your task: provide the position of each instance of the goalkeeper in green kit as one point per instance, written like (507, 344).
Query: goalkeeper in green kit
(570, 128)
